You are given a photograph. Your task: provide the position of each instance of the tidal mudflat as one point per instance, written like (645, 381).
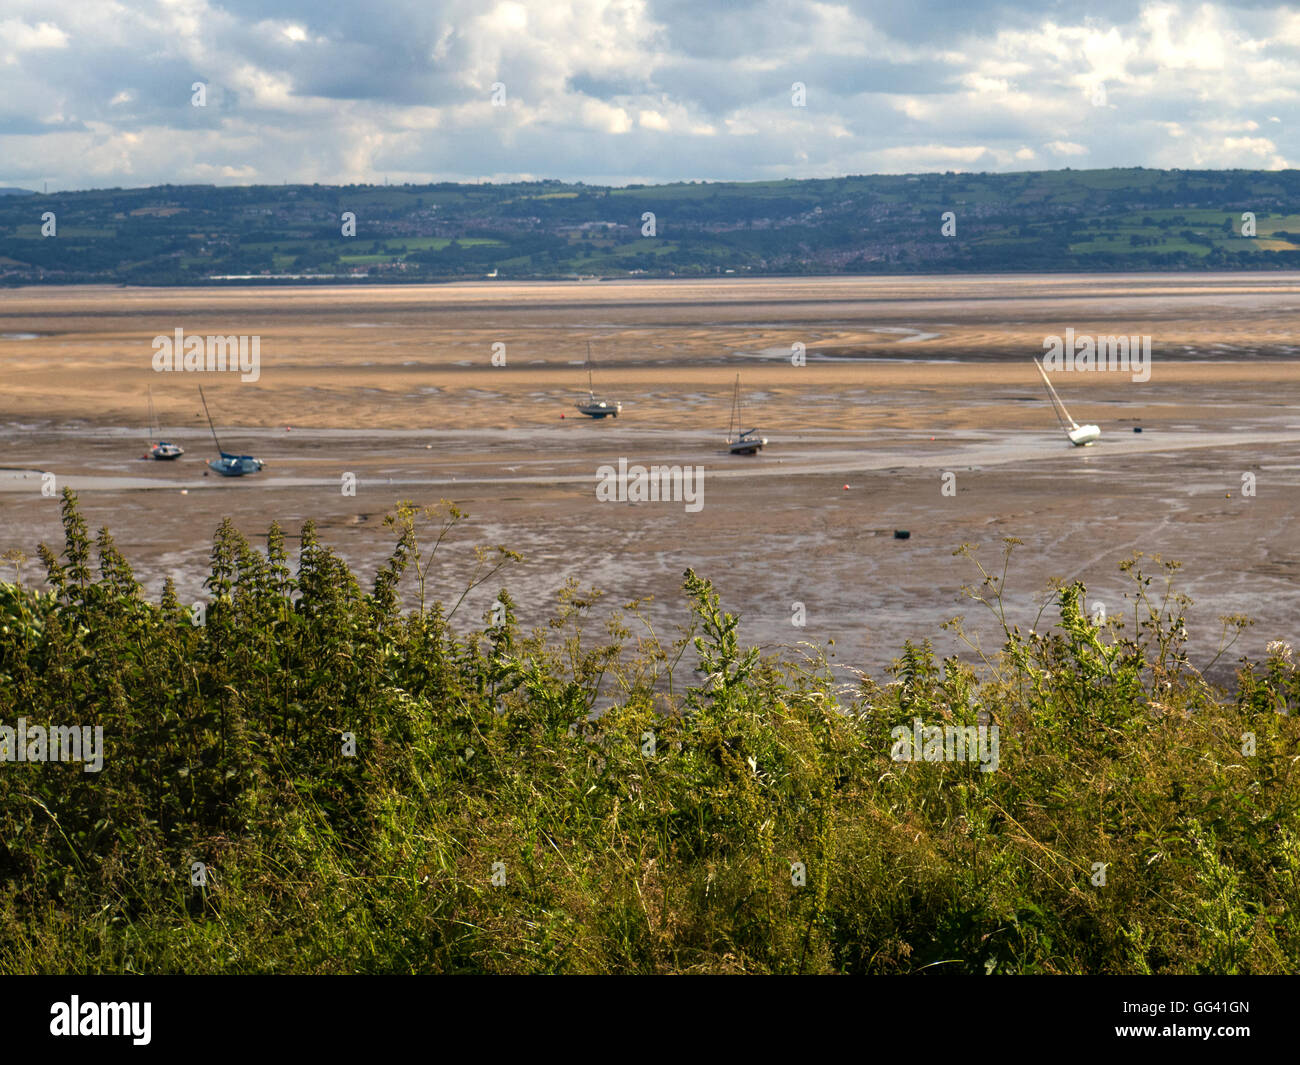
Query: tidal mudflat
(916, 408)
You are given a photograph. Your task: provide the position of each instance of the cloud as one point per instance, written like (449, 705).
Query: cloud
(18, 38)
(634, 90)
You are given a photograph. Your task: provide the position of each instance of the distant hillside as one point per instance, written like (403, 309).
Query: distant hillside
(10, 191)
(1072, 220)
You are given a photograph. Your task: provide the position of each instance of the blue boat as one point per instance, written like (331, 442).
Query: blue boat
(236, 465)
(229, 465)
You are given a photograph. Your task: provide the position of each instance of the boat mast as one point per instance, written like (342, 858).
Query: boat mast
(210, 425)
(1057, 406)
(734, 425)
(151, 417)
(590, 389)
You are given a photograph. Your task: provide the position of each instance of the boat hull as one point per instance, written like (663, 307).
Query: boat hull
(747, 447)
(1084, 435)
(236, 465)
(599, 410)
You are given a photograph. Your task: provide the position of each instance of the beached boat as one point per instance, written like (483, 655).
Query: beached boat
(229, 465)
(1078, 435)
(236, 465)
(161, 450)
(742, 441)
(594, 406)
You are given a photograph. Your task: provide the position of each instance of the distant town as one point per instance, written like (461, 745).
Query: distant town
(1067, 220)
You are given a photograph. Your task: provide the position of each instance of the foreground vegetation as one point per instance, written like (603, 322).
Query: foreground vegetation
(489, 821)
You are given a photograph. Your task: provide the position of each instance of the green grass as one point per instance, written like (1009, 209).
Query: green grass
(725, 812)
(1119, 246)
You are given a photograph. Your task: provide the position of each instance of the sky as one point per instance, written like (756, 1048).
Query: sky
(100, 93)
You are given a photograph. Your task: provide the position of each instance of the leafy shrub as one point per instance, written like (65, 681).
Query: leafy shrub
(554, 802)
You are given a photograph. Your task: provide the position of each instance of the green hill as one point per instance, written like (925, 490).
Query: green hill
(1067, 220)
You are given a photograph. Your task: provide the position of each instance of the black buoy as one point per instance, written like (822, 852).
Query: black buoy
(901, 534)
(1137, 428)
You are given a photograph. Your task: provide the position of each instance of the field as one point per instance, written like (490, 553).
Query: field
(1030, 222)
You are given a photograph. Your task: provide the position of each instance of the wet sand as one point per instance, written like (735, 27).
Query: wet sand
(906, 381)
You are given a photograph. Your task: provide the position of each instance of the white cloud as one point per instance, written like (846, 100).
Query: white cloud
(17, 37)
(1244, 152)
(637, 89)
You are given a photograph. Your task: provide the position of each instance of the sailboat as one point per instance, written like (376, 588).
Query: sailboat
(592, 406)
(1078, 435)
(160, 449)
(742, 442)
(229, 465)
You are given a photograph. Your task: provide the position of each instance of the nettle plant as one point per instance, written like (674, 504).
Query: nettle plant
(374, 781)
(1090, 667)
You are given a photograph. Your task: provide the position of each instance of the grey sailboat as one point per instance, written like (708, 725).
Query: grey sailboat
(742, 441)
(595, 406)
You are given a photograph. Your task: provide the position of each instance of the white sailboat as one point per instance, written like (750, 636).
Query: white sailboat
(742, 441)
(1078, 435)
(594, 406)
(161, 450)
